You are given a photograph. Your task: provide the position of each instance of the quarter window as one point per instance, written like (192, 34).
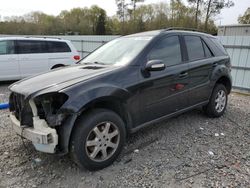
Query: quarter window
(206, 49)
(194, 48)
(168, 50)
(7, 47)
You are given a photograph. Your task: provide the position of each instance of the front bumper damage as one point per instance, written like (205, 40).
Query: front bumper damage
(43, 137)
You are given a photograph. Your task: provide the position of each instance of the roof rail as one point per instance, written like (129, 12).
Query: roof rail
(183, 28)
(43, 37)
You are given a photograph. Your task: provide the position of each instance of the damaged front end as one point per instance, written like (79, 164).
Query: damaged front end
(36, 118)
(49, 108)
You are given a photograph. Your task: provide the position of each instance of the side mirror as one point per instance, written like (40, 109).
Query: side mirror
(155, 65)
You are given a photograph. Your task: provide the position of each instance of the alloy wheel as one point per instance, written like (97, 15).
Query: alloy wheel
(220, 101)
(102, 141)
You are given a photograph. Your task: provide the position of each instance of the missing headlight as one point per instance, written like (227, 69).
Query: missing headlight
(48, 107)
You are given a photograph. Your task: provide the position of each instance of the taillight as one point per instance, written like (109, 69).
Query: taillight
(77, 57)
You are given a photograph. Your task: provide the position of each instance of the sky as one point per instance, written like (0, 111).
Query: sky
(54, 7)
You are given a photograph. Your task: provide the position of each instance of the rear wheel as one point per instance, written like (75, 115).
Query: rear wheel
(97, 139)
(218, 102)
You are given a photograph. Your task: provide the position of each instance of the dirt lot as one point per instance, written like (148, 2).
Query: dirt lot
(187, 151)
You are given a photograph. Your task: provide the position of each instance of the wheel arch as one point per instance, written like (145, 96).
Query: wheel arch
(112, 103)
(226, 81)
(109, 102)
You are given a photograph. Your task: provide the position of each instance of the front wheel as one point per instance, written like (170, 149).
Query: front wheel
(218, 102)
(97, 139)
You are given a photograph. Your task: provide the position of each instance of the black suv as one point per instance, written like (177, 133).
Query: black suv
(88, 109)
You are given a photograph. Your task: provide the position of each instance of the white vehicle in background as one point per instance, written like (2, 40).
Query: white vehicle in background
(21, 57)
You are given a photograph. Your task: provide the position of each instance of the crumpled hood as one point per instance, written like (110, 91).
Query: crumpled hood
(58, 79)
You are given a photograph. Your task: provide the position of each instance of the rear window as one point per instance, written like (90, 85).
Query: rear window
(31, 46)
(54, 47)
(7, 47)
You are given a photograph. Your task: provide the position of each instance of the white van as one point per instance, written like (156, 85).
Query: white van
(24, 56)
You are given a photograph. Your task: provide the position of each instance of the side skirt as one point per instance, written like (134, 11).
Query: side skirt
(133, 130)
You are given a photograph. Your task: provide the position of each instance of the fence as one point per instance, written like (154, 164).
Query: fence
(238, 48)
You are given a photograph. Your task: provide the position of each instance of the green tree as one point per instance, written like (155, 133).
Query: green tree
(245, 19)
(134, 3)
(213, 8)
(93, 20)
(122, 12)
(101, 22)
(197, 3)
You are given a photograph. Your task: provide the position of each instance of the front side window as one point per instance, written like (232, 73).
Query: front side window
(31, 46)
(7, 47)
(168, 50)
(194, 48)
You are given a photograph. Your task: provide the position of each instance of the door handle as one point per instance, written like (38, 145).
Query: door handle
(183, 74)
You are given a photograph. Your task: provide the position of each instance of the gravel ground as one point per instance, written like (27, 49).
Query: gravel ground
(187, 151)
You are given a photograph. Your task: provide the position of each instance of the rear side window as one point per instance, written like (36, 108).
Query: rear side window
(31, 46)
(168, 50)
(54, 47)
(194, 48)
(7, 47)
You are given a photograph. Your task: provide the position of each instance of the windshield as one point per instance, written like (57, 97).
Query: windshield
(118, 52)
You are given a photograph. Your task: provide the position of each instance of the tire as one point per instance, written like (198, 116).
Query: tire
(216, 107)
(92, 136)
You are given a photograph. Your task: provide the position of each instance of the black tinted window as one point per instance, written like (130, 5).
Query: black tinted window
(31, 46)
(194, 48)
(207, 50)
(55, 47)
(168, 50)
(7, 47)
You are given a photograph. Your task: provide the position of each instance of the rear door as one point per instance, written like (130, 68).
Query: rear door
(9, 67)
(165, 92)
(200, 64)
(32, 57)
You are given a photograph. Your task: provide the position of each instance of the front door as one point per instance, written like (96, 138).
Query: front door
(166, 91)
